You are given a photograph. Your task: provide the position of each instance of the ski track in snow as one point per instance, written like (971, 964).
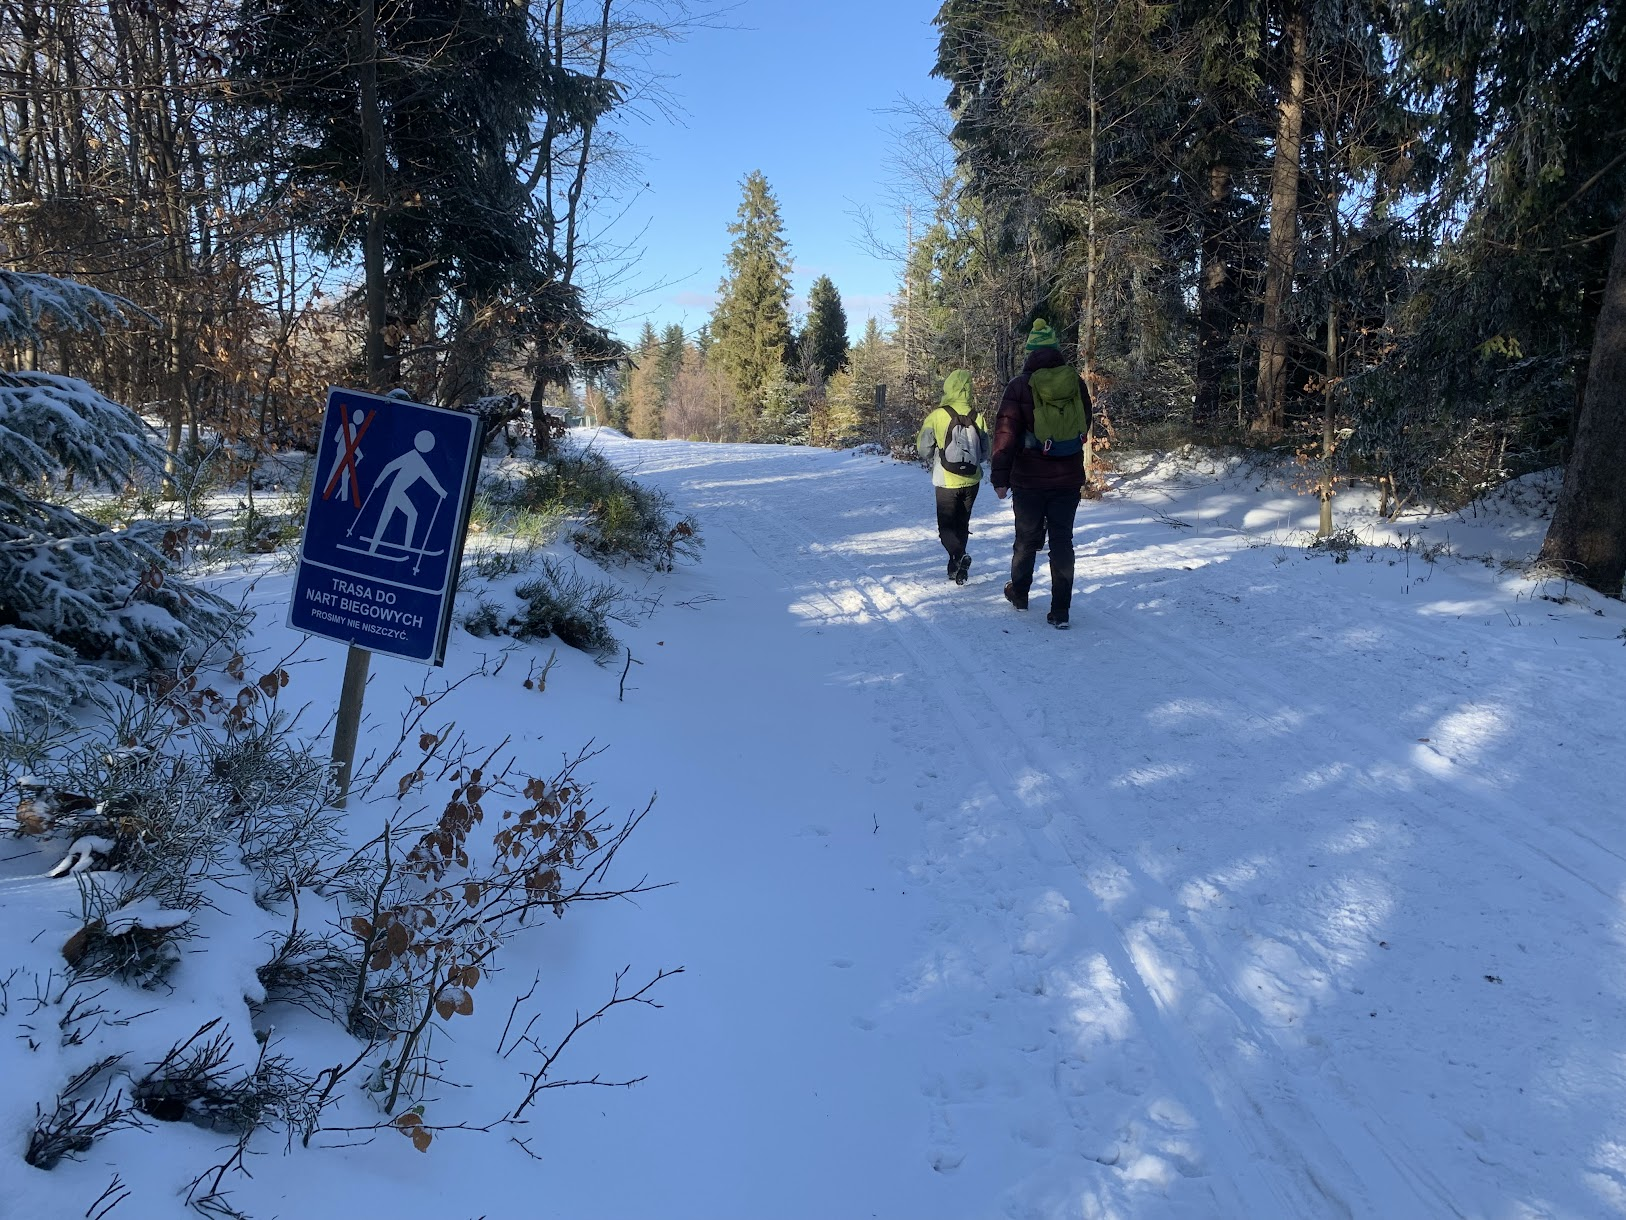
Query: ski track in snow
(1276, 889)
(1137, 979)
(1197, 1011)
(1119, 990)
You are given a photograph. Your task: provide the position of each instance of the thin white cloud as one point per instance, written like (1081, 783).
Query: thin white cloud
(867, 305)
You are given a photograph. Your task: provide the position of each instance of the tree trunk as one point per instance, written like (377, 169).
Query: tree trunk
(1216, 305)
(1329, 385)
(372, 135)
(1587, 324)
(1271, 390)
(1587, 537)
(156, 128)
(1088, 323)
(1324, 527)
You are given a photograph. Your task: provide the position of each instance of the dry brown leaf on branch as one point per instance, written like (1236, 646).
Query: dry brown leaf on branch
(74, 949)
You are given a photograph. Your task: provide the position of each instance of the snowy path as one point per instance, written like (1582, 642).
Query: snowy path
(1276, 888)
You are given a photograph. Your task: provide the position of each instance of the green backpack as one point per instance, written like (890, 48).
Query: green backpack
(1059, 416)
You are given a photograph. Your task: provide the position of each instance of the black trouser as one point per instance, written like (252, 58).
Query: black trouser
(954, 518)
(1039, 512)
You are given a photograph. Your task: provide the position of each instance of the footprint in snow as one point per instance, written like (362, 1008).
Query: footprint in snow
(1035, 817)
(1034, 1134)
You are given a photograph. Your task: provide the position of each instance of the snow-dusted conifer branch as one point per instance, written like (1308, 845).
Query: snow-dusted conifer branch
(74, 587)
(37, 675)
(53, 424)
(30, 301)
(104, 595)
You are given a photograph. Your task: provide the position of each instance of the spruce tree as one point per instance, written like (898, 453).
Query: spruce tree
(851, 417)
(75, 590)
(751, 323)
(1533, 293)
(784, 418)
(669, 360)
(644, 391)
(413, 120)
(824, 340)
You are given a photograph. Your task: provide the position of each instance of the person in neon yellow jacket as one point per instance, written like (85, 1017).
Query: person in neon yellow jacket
(956, 444)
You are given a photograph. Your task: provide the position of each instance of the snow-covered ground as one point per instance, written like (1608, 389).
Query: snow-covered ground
(1279, 887)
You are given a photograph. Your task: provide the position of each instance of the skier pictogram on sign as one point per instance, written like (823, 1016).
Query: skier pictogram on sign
(384, 533)
(401, 476)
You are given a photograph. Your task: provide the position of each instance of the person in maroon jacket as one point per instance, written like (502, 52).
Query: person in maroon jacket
(1039, 437)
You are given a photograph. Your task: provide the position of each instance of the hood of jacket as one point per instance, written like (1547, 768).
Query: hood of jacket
(957, 392)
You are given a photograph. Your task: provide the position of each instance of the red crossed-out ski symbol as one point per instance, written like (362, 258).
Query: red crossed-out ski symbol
(347, 460)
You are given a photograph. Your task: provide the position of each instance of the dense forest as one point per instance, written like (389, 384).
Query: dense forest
(1379, 237)
(1382, 234)
(1376, 237)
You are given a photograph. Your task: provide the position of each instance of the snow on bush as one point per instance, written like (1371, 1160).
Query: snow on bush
(617, 520)
(192, 886)
(611, 520)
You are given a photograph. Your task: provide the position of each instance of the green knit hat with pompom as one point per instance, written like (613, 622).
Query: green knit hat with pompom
(1041, 336)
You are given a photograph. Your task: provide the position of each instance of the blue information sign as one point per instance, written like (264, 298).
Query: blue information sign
(384, 533)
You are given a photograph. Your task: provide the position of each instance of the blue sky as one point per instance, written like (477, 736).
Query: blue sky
(805, 92)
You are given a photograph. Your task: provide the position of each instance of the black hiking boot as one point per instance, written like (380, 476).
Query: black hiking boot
(962, 569)
(1057, 619)
(1017, 599)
